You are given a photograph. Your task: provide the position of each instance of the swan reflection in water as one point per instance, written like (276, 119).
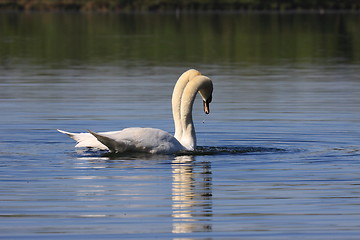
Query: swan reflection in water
(191, 186)
(191, 195)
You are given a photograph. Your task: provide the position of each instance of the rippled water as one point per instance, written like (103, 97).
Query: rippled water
(278, 155)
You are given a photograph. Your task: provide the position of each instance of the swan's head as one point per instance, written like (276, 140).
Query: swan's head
(206, 94)
(207, 105)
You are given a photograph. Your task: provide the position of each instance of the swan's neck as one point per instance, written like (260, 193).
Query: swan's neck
(177, 98)
(188, 138)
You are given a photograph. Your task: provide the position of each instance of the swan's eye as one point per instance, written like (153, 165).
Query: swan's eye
(209, 99)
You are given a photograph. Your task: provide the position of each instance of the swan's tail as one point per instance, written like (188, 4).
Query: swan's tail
(74, 136)
(112, 144)
(85, 140)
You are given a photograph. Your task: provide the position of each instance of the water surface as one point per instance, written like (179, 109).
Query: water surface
(278, 156)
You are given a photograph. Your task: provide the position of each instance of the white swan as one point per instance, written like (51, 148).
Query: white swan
(153, 140)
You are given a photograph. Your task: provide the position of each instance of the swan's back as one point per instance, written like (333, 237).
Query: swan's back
(149, 140)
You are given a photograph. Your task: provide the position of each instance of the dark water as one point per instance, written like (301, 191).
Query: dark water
(278, 157)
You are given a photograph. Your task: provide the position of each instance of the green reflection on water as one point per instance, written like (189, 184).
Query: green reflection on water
(160, 39)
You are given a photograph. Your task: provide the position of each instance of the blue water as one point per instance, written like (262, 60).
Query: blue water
(278, 155)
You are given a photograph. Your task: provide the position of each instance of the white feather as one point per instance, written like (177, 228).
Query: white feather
(153, 140)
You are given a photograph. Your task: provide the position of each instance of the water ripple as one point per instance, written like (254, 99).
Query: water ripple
(200, 151)
(227, 150)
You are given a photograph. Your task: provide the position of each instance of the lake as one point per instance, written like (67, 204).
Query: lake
(279, 154)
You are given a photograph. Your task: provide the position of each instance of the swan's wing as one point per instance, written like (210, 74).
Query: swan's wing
(85, 140)
(112, 144)
(139, 140)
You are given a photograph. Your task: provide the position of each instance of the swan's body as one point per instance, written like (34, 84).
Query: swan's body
(153, 140)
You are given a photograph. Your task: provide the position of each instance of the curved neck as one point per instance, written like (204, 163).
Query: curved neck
(177, 98)
(188, 138)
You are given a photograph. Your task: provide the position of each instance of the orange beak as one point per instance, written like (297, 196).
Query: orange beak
(207, 105)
